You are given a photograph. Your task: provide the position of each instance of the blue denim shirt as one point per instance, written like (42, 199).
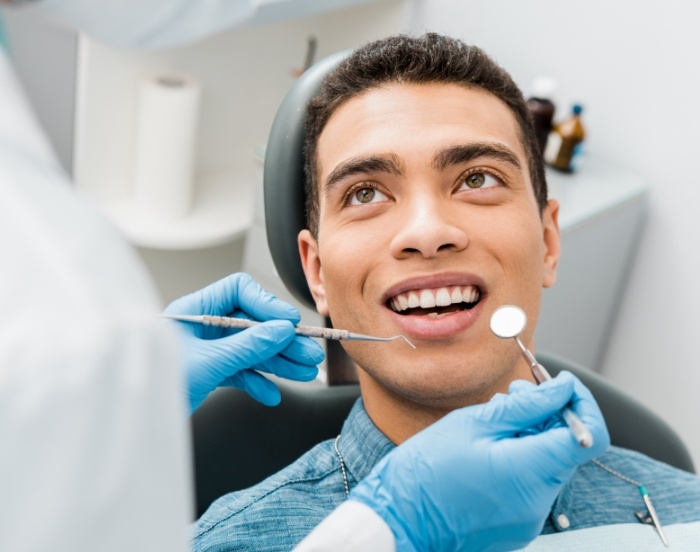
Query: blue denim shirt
(277, 513)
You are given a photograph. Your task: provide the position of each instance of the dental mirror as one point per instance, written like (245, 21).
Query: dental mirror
(508, 321)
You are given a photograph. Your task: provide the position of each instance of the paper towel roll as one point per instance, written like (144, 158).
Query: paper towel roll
(165, 144)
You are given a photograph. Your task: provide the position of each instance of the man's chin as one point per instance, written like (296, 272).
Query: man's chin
(435, 393)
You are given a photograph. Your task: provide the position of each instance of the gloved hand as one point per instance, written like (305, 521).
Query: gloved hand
(484, 477)
(227, 357)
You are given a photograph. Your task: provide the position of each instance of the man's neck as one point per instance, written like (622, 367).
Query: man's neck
(396, 417)
(399, 418)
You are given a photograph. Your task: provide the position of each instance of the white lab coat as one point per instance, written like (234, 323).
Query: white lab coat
(94, 447)
(94, 452)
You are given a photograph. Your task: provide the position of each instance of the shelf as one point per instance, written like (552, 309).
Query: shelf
(598, 188)
(223, 211)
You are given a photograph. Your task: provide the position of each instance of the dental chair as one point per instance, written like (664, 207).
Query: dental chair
(238, 442)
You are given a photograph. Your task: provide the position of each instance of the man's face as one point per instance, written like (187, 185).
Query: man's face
(428, 223)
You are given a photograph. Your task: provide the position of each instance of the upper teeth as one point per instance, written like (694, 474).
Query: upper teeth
(438, 297)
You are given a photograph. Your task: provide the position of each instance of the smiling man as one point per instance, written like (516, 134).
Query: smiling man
(427, 210)
(427, 222)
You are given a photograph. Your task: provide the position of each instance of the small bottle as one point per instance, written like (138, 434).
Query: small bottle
(542, 109)
(565, 143)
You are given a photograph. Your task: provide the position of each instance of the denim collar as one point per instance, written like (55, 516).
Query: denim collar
(361, 444)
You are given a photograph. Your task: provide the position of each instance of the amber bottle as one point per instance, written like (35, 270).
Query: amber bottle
(565, 142)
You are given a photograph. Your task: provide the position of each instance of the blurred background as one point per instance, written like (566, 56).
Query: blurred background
(628, 301)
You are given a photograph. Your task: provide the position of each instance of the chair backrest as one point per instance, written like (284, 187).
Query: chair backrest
(238, 441)
(283, 178)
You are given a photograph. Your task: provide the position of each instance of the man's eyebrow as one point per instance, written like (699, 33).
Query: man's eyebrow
(387, 163)
(457, 155)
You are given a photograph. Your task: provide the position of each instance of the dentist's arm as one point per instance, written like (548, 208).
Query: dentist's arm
(144, 24)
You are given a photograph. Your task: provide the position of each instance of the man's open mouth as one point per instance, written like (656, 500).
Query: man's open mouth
(435, 302)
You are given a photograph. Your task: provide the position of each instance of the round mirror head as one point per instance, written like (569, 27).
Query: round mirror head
(508, 321)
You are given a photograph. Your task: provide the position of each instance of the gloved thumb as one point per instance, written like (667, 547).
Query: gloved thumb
(529, 405)
(247, 348)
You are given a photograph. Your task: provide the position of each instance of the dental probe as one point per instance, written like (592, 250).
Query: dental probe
(309, 331)
(509, 321)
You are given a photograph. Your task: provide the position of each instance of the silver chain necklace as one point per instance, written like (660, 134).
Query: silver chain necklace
(342, 466)
(650, 519)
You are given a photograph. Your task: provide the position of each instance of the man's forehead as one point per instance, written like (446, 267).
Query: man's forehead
(383, 119)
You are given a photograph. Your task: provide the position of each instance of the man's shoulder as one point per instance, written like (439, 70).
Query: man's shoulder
(607, 492)
(278, 512)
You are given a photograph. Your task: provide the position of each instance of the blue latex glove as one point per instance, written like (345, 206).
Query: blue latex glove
(485, 477)
(226, 357)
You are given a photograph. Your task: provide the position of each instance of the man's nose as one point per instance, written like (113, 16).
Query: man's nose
(428, 226)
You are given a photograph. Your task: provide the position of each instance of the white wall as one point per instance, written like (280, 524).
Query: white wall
(634, 65)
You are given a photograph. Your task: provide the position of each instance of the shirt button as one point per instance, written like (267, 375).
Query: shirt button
(563, 521)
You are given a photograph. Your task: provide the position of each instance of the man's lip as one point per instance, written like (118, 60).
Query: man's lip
(432, 281)
(446, 327)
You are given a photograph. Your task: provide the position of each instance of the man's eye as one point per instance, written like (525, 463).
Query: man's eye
(479, 180)
(366, 195)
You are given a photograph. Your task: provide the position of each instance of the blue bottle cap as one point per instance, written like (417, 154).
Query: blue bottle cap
(577, 109)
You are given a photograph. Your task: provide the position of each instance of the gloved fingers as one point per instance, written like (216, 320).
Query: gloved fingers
(196, 399)
(583, 403)
(235, 292)
(192, 303)
(247, 348)
(552, 455)
(261, 304)
(256, 385)
(520, 385)
(298, 361)
(204, 302)
(304, 350)
(558, 448)
(284, 368)
(529, 407)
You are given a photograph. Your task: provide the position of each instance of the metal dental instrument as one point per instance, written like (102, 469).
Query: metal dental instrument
(652, 519)
(310, 331)
(508, 322)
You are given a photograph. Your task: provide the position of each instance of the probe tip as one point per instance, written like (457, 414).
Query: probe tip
(405, 339)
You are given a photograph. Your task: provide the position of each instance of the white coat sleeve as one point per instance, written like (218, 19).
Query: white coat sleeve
(351, 527)
(92, 416)
(147, 24)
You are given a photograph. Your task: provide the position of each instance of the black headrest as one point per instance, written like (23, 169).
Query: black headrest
(283, 178)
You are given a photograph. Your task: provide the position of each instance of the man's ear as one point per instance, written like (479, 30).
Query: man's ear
(310, 261)
(552, 243)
